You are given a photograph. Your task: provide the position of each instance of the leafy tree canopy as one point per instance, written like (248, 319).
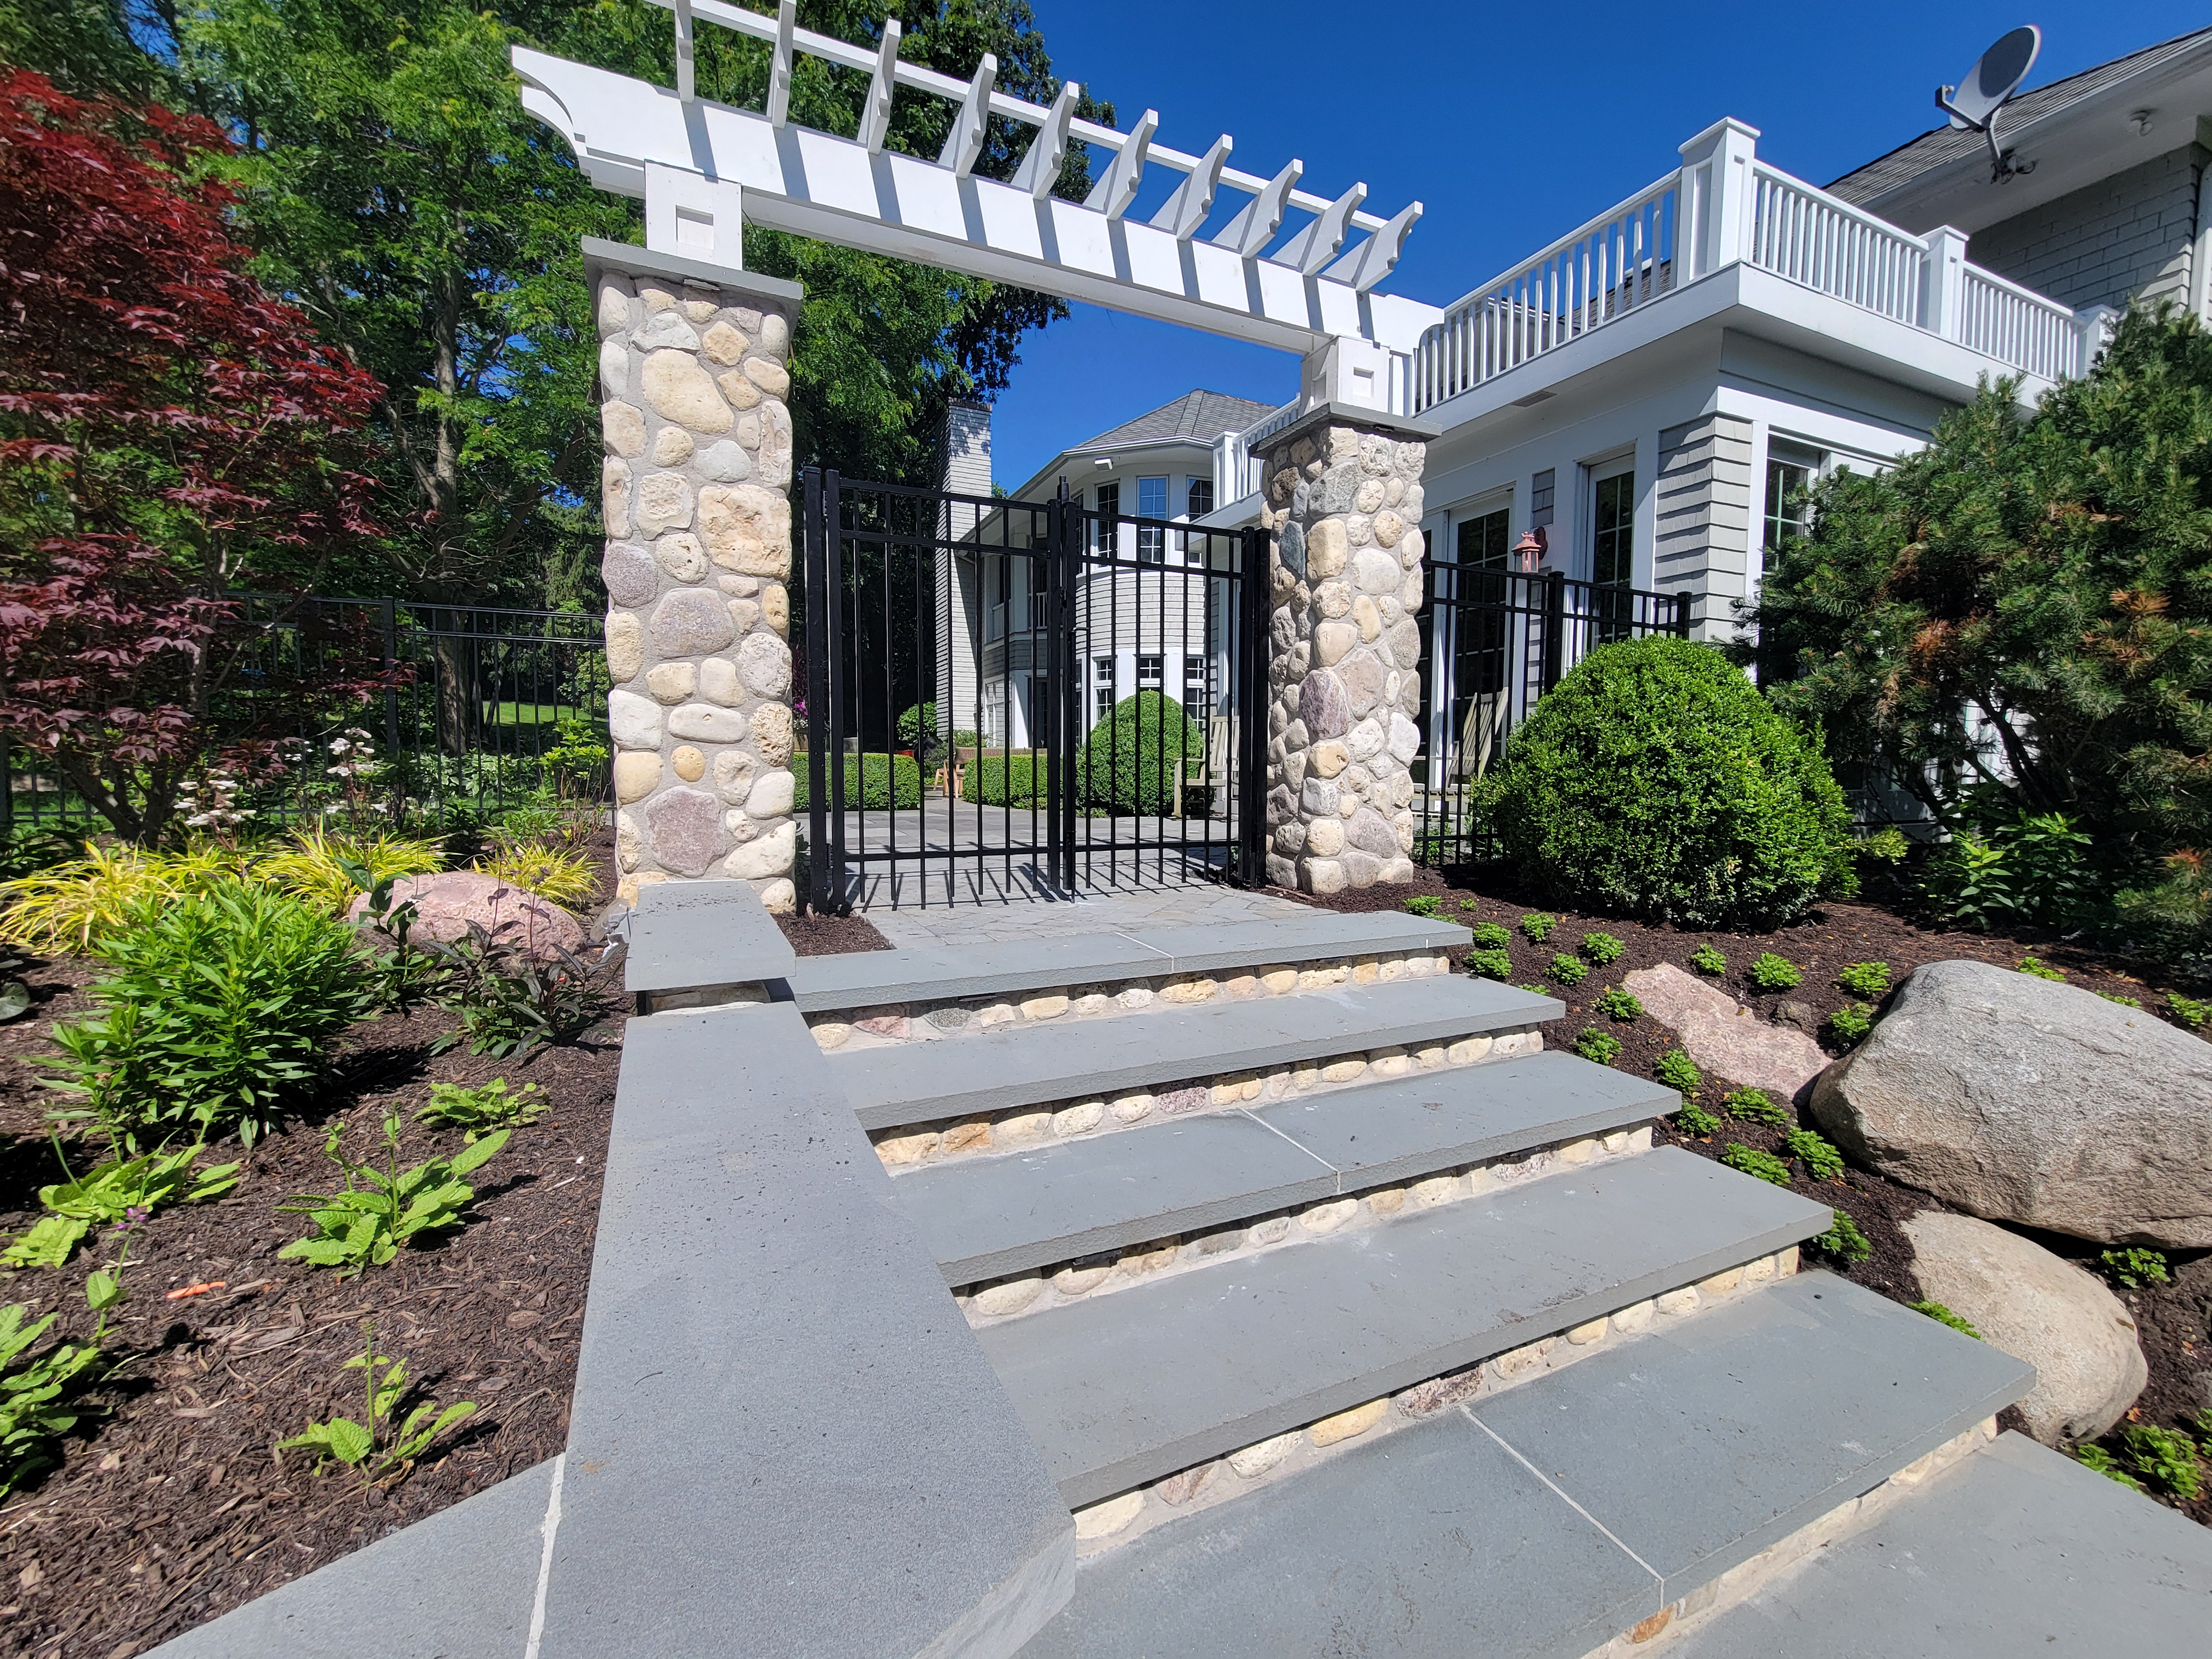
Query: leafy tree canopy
(2018, 619)
(394, 191)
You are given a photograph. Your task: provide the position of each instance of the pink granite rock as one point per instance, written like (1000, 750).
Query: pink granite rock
(1723, 1036)
(448, 901)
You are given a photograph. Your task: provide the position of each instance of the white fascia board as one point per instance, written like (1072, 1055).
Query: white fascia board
(1077, 464)
(833, 189)
(1754, 301)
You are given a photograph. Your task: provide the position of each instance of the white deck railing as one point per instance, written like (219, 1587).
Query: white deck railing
(1726, 207)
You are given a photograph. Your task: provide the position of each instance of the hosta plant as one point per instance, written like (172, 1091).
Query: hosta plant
(1616, 1003)
(1603, 949)
(1756, 1106)
(1771, 973)
(1594, 1044)
(487, 1106)
(1752, 1161)
(1709, 961)
(1820, 1157)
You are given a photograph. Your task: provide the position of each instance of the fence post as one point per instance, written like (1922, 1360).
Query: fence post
(7, 787)
(1713, 202)
(1251, 700)
(1067, 561)
(1943, 286)
(1555, 625)
(816, 641)
(1682, 614)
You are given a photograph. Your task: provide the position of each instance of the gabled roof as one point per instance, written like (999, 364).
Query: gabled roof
(1940, 145)
(1202, 416)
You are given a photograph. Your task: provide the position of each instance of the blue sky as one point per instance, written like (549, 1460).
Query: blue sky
(1512, 124)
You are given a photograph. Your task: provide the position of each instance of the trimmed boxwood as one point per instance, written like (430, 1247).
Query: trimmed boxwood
(1128, 763)
(1655, 782)
(1004, 780)
(874, 781)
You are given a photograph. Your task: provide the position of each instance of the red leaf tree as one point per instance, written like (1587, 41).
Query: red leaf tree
(169, 434)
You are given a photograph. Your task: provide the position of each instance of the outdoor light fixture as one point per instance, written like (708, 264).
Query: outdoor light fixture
(1530, 551)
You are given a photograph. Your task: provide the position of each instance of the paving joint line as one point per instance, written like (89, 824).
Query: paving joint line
(1657, 1577)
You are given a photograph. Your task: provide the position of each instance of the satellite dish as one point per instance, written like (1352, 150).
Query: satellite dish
(1974, 104)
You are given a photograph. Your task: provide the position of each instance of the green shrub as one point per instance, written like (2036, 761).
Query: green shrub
(1852, 1021)
(1821, 1160)
(2132, 1269)
(217, 1009)
(2167, 1458)
(1655, 779)
(1424, 904)
(2124, 1002)
(1489, 964)
(1752, 1161)
(1869, 980)
(1773, 973)
(874, 781)
(1754, 1106)
(1489, 936)
(1709, 961)
(2035, 968)
(1617, 1004)
(1843, 1242)
(1602, 949)
(1594, 1044)
(1678, 1072)
(2192, 1011)
(1887, 845)
(1129, 764)
(1694, 1119)
(1943, 1316)
(1019, 781)
(1537, 927)
(2036, 872)
(1568, 971)
(2097, 1458)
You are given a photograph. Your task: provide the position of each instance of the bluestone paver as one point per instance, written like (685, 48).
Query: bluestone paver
(2014, 1552)
(1122, 1389)
(1033, 1063)
(685, 935)
(784, 1437)
(1430, 1543)
(1752, 1418)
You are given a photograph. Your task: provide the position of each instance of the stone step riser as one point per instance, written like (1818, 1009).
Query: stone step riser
(1265, 1464)
(1665, 1630)
(860, 1027)
(1149, 1263)
(1078, 1116)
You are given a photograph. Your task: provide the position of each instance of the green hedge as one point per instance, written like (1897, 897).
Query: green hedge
(1655, 782)
(1129, 764)
(1004, 780)
(873, 781)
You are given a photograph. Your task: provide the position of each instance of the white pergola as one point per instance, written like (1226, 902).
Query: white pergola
(703, 168)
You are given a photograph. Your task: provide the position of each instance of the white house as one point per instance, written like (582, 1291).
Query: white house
(1649, 394)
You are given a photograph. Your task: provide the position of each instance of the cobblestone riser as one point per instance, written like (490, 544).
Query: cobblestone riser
(887, 1024)
(1092, 1277)
(1120, 1519)
(1657, 1634)
(1035, 1126)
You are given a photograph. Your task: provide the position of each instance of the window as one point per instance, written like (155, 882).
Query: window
(1790, 471)
(1198, 688)
(1148, 671)
(1483, 545)
(1201, 497)
(1151, 504)
(1101, 695)
(1105, 533)
(1613, 562)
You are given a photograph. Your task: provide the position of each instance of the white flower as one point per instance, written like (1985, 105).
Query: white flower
(339, 745)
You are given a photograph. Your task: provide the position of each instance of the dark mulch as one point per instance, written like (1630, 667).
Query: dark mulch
(817, 935)
(172, 1506)
(2173, 1320)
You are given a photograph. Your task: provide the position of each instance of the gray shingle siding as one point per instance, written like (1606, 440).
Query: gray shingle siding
(1703, 514)
(2126, 235)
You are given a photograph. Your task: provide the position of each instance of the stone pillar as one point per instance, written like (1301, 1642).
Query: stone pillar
(1343, 495)
(694, 368)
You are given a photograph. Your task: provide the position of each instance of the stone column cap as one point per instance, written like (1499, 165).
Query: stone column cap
(1370, 420)
(600, 255)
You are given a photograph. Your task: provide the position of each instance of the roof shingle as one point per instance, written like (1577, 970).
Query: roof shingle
(1202, 416)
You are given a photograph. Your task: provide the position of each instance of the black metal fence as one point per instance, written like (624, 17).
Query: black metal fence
(1493, 642)
(1005, 695)
(467, 710)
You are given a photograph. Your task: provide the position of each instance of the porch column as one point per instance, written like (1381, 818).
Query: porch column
(693, 369)
(1343, 495)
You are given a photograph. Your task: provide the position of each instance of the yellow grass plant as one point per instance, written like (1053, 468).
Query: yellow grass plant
(563, 877)
(313, 867)
(71, 907)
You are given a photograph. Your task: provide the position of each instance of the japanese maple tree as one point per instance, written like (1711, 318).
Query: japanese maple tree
(170, 434)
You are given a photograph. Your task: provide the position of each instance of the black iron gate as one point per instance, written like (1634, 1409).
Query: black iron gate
(1008, 697)
(1493, 642)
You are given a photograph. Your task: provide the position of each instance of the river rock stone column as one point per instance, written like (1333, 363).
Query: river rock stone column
(1343, 495)
(695, 369)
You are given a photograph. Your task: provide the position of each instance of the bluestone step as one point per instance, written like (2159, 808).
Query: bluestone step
(1002, 966)
(2014, 1551)
(1540, 1522)
(988, 1216)
(688, 935)
(1030, 1064)
(1124, 1389)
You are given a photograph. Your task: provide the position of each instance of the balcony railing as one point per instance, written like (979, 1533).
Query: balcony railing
(1723, 207)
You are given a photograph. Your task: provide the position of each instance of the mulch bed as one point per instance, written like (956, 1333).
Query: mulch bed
(817, 935)
(172, 1506)
(2172, 1321)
